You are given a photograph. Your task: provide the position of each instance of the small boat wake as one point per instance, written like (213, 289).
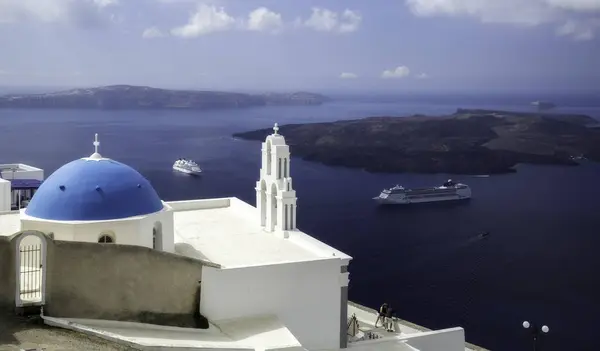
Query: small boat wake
(447, 252)
(470, 241)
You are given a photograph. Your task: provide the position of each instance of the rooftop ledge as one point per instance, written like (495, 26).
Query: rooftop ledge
(201, 204)
(17, 167)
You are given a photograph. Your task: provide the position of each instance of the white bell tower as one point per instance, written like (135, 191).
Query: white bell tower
(275, 196)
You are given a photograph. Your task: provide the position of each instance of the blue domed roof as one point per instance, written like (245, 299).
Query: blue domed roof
(94, 189)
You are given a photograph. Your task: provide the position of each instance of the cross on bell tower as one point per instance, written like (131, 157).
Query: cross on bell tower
(275, 129)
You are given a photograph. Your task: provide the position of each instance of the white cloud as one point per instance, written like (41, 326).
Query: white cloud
(522, 12)
(422, 76)
(568, 13)
(579, 30)
(152, 32)
(576, 5)
(325, 20)
(105, 3)
(207, 19)
(398, 72)
(348, 75)
(210, 19)
(80, 12)
(351, 20)
(19, 10)
(184, 1)
(264, 20)
(322, 20)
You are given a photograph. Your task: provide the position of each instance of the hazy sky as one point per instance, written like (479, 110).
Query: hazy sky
(302, 44)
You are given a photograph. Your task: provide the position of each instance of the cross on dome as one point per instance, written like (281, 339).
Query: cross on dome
(275, 129)
(96, 143)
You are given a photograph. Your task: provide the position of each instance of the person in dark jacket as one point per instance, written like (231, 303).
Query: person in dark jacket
(382, 314)
(389, 322)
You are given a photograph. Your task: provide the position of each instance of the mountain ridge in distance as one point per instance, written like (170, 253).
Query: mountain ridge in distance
(144, 97)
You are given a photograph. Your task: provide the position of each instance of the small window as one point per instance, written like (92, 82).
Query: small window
(106, 239)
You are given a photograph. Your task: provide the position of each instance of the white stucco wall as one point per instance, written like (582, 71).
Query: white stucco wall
(9, 223)
(168, 227)
(304, 295)
(164, 222)
(61, 231)
(131, 231)
(125, 232)
(4, 195)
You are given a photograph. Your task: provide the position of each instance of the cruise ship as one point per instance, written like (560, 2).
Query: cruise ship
(398, 195)
(187, 166)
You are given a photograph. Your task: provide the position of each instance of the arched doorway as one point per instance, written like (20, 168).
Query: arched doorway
(31, 248)
(157, 236)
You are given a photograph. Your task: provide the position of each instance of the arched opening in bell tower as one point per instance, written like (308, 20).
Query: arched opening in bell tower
(274, 204)
(263, 202)
(269, 157)
(279, 174)
(285, 218)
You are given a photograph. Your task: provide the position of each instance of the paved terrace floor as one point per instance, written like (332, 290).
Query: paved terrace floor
(252, 333)
(21, 333)
(255, 333)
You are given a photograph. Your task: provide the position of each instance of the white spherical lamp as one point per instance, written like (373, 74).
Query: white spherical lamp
(545, 329)
(526, 325)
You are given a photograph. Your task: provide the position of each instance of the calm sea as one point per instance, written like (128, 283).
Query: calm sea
(540, 262)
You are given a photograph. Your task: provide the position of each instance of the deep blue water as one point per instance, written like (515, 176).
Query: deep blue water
(540, 262)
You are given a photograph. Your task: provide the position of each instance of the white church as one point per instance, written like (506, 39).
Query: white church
(296, 287)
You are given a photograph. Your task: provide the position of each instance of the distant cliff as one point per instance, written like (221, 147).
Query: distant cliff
(137, 97)
(467, 142)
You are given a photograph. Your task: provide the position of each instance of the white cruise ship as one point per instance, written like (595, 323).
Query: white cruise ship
(398, 195)
(187, 166)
